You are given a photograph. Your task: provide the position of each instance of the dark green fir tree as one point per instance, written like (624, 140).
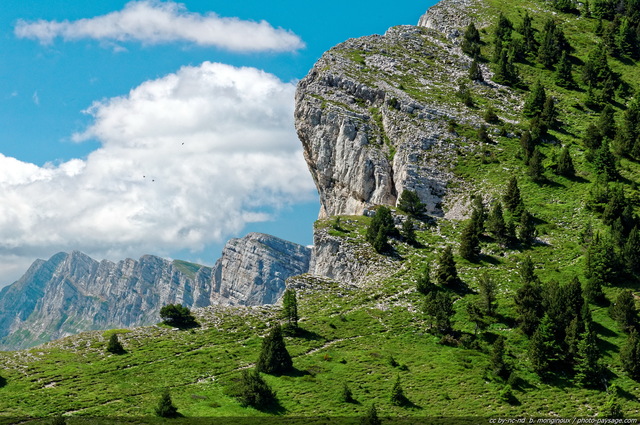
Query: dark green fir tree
(274, 358)
(446, 273)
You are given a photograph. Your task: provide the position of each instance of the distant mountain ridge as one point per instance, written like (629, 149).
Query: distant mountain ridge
(71, 293)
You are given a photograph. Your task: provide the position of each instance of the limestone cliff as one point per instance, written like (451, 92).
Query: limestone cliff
(374, 113)
(71, 293)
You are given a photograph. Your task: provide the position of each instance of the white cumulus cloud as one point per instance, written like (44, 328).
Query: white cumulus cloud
(153, 22)
(185, 160)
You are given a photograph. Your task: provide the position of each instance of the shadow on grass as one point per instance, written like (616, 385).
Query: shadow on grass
(603, 330)
(3, 381)
(307, 334)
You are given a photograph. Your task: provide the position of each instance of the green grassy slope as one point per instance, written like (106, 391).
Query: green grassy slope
(350, 334)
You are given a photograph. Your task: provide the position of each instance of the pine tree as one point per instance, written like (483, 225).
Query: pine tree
(552, 44)
(274, 358)
(549, 114)
(496, 224)
(534, 103)
(346, 395)
(588, 367)
(563, 76)
(607, 123)
(475, 73)
(424, 284)
(471, 41)
(165, 408)
(624, 311)
(612, 408)
(528, 38)
(410, 203)
(543, 350)
(535, 169)
(290, 308)
(538, 130)
(592, 138)
(565, 164)
(512, 200)
(497, 363)
(397, 394)
(446, 273)
(528, 298)
(490, 116)
(380, 228)
(630, 355)
(114, 346)
(526, 269)
(487, 287)
(631, 251)
(478, 215)
(469, 242)
(526, 228)
(443, 311)
(371, 418)
(505, 71)
(527, 144)
(483, 136)
(252, 390)
(408, 232)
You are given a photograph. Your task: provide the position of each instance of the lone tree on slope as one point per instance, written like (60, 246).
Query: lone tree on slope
(274, 358)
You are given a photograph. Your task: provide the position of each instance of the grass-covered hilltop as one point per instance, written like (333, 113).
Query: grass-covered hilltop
(492, 269)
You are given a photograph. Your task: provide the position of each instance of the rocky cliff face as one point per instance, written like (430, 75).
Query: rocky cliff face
(253, 270)
(374, 114)
(71, 293)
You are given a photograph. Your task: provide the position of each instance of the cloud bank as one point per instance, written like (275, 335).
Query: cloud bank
(154, 22)
(185, 160)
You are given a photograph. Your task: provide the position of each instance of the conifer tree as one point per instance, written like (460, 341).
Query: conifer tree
(475, 73)
(592, 138)
(535, 169)
(549, 114)
(534, 103)
(527, 144)
(487, 287)
(165, 408)
(408, 232)
(528, 38)
(443, 311)
(290, 308)
(631, 251)
(397, 394)
(471, 41)
(607, 122)
(410, 203)
(274, 358)
(496, 224)
(624, 311)
(380, 228)
(526, 228)
(346, 395)
(630, 355)
(512, 199)
(588, 367)
(526, 269)
(469, 242)
(543, 349)
(563, 76)
(371, 418)
(565, 163)
(424, 284)
(552, 44)
(612, 408)
(478, 215)
(114, 346)
(252, 390)
(490, 116)
(505, 71)
(497, 363)
(528, 298)
(446, 273)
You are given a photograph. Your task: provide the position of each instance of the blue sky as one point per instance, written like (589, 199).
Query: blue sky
(155, 127)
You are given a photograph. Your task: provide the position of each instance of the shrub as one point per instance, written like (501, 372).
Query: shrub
(177, 315)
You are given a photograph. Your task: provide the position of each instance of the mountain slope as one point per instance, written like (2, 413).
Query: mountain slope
(364, 323)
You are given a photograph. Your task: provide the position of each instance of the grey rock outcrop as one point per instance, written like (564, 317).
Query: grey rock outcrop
(71, 293)
(374, 114)
(253, 270)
